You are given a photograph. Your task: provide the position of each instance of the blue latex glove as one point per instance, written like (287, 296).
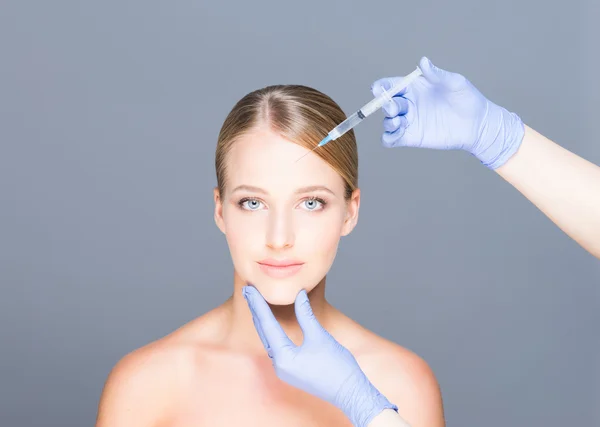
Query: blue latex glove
(443, 110)
(320, 366)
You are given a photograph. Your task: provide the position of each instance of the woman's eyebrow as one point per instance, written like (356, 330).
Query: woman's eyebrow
(250, 188)
(313, 188)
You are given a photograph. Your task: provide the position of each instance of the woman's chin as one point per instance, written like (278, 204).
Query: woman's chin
(278, 295)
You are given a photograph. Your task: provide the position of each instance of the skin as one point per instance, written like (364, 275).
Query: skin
(214, 370)
(564, 186)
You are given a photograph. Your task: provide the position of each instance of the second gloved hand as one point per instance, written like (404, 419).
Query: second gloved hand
(320, 366)
(443, 110)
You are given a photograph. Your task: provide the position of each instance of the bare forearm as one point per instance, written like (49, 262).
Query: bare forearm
(388, 418)
(564, 186)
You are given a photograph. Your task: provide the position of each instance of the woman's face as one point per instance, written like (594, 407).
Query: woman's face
(282, 220)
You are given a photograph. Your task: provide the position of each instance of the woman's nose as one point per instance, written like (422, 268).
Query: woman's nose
(280, 233)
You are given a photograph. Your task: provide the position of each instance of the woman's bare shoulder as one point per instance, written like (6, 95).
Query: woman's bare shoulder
(400, 374)
(144, 384)
(392, 364)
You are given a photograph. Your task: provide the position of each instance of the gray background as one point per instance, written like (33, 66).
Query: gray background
(109, 113)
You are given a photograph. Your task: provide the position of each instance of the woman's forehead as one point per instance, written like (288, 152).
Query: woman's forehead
(265, 159)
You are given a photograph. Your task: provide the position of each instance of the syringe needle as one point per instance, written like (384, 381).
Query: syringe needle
(320, 144)
(304, 155)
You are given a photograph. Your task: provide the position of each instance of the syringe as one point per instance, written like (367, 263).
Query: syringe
(372, 106)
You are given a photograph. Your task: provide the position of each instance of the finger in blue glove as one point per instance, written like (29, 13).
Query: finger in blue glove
(443, 110)
(320, 366)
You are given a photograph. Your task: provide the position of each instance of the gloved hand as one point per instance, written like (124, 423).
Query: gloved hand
(443, 110)
(320, 366)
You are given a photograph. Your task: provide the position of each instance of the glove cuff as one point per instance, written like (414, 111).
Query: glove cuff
(378, 405)
(363, 402)
(504, 132)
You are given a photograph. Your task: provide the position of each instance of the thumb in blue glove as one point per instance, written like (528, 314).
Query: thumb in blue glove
(320, 366)
(443, 110)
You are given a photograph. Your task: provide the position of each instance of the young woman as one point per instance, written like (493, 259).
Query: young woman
(283, 221)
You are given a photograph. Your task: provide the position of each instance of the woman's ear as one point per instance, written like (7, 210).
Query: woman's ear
(219, 210)
(352, 208)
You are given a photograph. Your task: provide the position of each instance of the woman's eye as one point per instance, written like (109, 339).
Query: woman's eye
(313, 204)
(250, 204)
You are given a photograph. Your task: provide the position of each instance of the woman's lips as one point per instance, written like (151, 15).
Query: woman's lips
(280, 269)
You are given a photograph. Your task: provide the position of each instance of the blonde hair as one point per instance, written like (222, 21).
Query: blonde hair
(300, 114)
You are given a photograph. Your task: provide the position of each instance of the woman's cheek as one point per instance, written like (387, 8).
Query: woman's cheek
(243, 231)
(322, 232)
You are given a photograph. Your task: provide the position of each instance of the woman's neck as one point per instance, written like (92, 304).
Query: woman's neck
(242, 335)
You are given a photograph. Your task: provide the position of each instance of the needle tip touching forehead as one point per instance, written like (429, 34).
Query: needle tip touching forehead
(322, 143)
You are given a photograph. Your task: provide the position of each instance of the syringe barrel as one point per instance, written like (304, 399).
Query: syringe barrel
(386, 96)
(374, 105)
(345, 126)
